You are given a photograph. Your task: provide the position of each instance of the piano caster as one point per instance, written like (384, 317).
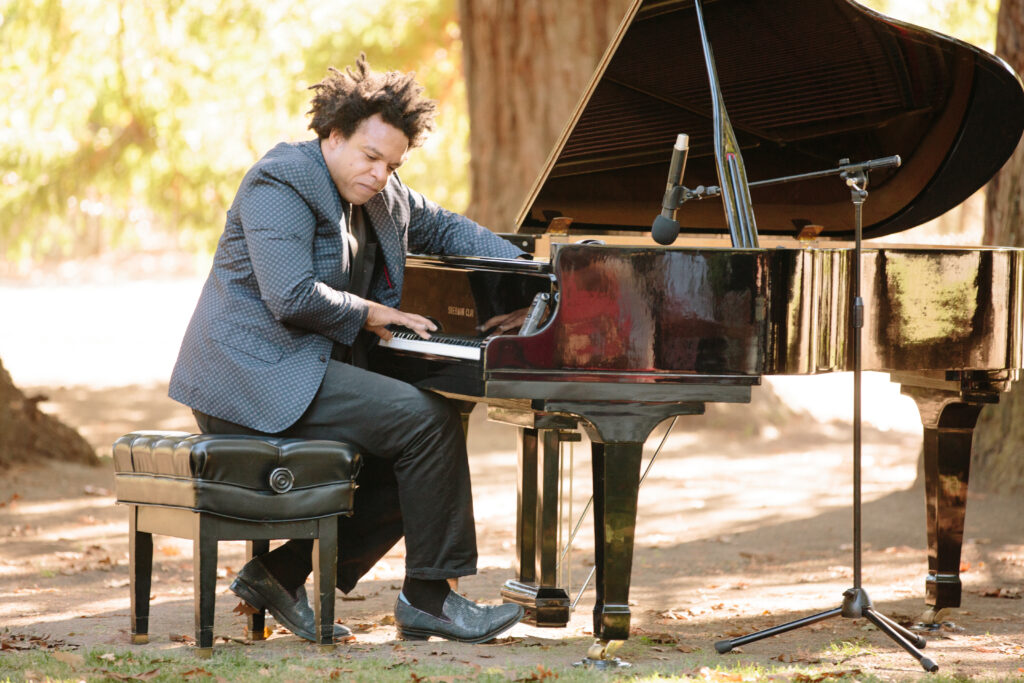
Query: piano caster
(600, 655)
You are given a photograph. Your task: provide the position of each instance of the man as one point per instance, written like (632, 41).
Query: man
(306, 276)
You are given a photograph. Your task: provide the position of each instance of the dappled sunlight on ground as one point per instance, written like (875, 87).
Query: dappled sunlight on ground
(744, 518)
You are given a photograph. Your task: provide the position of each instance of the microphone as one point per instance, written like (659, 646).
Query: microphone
(665, 228)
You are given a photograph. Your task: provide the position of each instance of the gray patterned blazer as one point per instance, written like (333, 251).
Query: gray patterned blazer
(274, 303)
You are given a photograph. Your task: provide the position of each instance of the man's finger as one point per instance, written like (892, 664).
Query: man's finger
(492, 323)
(382, 332)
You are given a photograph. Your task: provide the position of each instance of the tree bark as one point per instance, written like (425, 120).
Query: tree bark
(28, 435)
(527, 63)
(998, 462)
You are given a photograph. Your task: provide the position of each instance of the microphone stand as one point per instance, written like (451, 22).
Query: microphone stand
(856, 602)
(676, 195)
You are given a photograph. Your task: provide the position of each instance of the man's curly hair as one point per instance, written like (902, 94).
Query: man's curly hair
(344, 99)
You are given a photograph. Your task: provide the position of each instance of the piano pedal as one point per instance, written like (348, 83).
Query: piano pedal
(601, 656)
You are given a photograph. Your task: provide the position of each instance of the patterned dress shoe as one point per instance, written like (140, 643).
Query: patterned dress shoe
(261, 590)
(462, 620)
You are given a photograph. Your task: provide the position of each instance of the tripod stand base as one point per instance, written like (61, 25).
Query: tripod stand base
(856, 603)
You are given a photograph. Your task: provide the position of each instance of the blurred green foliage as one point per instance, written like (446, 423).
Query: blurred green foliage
(124, 122)
(973, 21)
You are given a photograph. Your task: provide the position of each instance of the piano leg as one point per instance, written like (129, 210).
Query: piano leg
(537, 513)
(948, 432)
(616, 469)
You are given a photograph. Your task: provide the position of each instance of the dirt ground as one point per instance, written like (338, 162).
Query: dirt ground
(744, 523)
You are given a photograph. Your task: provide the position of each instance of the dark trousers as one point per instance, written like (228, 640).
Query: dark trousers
(415, 478)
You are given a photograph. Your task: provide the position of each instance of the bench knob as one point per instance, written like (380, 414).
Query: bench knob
(281, 480)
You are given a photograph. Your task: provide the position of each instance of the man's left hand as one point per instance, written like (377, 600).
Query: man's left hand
(500, 324)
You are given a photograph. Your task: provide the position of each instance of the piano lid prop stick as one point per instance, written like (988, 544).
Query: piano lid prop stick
(732, 176)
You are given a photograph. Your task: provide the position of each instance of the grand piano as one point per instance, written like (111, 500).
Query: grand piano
(631, 332)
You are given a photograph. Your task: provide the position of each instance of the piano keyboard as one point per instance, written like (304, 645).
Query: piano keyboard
(438, 345)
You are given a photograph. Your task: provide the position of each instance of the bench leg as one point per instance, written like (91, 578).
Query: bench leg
(325, 579)
(257, 620)
(140, 575)
(204, 563)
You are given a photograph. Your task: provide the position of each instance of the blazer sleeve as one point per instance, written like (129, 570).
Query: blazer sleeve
(279, 227)
(435, 230)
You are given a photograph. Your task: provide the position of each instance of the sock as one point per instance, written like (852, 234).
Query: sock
(290, 563)
(426, 595)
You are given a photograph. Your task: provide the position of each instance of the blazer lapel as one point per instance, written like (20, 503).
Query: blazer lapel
(391, 245)
(327, 191)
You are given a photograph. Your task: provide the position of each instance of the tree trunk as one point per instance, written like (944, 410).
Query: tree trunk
(998, 462)
(28, 435)
(526, 64)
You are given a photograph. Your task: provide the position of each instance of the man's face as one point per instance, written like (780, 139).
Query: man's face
(361, 164)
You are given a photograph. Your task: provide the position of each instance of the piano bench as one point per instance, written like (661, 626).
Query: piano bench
(212, 488)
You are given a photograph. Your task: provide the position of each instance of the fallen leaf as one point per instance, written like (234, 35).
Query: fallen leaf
(709, 674)
(507, 640)
(797, 657)
(70, 658)
(1009, 593)
(893, 549)
(685, 648)
(676, 616)
(21, 641)
(815, 678)
(91, 490)
(196, 672)
(233, 639)
(181, 638)
(540, 674)
(11, 501)
(244, 609)
(148, 675)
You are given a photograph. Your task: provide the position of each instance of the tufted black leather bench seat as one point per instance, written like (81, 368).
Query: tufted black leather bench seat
(212, 488)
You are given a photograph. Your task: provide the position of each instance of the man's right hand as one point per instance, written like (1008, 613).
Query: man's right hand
(380, 316)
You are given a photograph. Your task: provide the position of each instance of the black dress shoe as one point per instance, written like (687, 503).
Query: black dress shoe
(462, 620)
(262, 590)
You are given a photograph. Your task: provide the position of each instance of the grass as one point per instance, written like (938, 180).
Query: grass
(245, 664)
(849, 648)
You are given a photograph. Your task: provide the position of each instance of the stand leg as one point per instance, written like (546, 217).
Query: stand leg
(258, 619)
(204, 575)
(325, 577)
(916, 639)
(884, 625)
(723, 646)
(856, 604)
(140, 575)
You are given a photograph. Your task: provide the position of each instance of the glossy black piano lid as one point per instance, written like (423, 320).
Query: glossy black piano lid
(806, 83)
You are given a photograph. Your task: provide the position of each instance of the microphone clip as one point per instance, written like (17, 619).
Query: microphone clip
(678, 195)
